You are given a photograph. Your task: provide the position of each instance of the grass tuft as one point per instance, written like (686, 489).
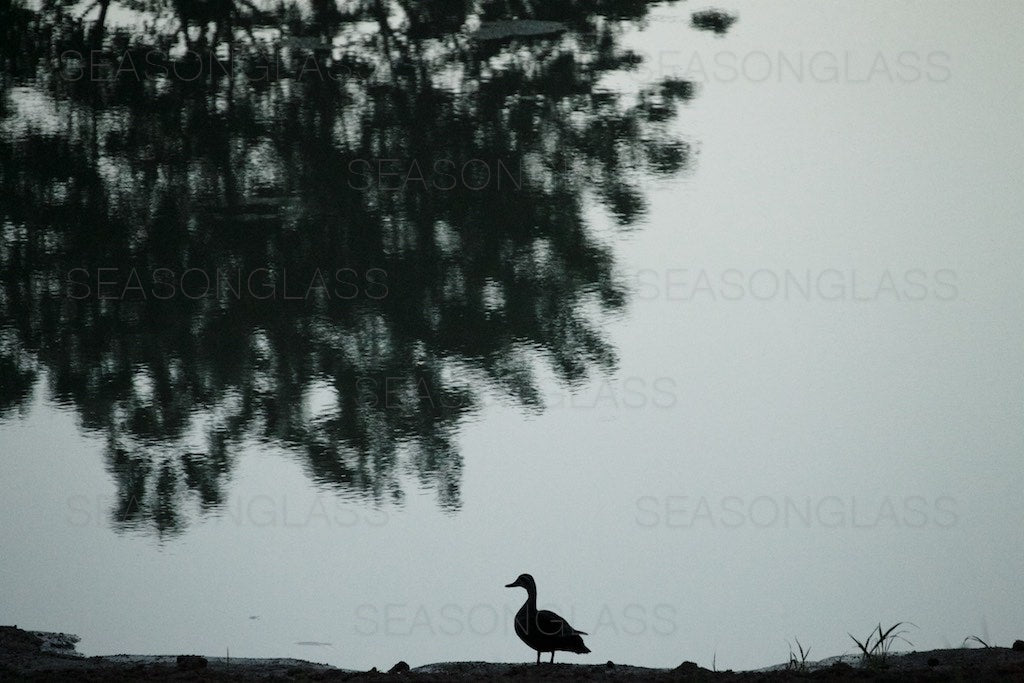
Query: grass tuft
(876, 647)
(976, 639)
(797, 660)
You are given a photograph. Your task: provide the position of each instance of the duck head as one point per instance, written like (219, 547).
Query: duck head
(524, 581)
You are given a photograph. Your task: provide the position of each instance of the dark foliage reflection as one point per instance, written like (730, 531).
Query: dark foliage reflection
(222, 228)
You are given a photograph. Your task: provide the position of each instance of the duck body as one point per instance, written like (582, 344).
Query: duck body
(543, 630)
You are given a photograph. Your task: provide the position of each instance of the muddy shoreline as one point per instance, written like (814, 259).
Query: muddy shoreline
(39, 656)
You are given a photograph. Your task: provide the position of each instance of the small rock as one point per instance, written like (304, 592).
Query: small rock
(13, 639)
(400, 668)
(1018, 645)
(610, 664)
(191, 662)
(58, 643)
(692, 672)
(841, 666)
(933, 661)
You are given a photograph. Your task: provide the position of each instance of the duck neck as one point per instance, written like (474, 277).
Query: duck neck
(531, 599)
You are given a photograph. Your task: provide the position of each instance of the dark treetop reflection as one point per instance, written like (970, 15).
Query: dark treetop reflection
(390, 228)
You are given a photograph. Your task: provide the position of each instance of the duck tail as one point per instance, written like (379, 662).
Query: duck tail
(578, 646)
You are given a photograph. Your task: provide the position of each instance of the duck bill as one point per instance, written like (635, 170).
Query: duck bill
(514, 584)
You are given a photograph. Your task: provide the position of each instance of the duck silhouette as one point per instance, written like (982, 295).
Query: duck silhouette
(543, 630)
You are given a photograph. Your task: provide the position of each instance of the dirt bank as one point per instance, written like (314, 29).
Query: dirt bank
(37, 656)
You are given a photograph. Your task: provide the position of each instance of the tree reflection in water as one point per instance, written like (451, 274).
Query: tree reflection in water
(342, 250)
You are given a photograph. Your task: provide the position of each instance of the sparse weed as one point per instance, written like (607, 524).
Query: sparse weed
(976, 639)
(875, 648)
(797, 662)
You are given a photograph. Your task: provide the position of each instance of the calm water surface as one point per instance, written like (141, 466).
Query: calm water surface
(715, 334)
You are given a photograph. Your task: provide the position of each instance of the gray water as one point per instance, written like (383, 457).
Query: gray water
(745, 369)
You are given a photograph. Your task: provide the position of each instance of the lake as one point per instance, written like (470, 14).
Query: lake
(716, 333)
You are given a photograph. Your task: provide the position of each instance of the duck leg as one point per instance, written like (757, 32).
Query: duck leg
(538, 657)
(552, 656)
